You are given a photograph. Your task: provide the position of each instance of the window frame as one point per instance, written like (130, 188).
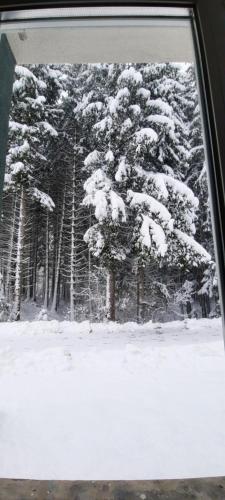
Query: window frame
(209, 38)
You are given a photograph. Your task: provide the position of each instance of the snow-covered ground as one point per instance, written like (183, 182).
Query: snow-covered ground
(122, 402)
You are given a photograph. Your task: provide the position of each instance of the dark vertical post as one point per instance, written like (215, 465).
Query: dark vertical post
(7, 64)
(209, 31)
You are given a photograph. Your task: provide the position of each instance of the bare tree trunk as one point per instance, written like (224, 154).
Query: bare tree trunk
(138, 299)
(57, 271)
(46, 263)
(72, 248)
(9, 260)
(110, 296)
(140, 294)
(54, 258)
(34, 265)
(189, 308)
(19, 258)
(89, 285)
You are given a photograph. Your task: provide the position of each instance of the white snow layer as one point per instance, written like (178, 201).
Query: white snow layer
(154, 206)
(17, 168)
(22, 149)
(125, 402)
(109, 156)
(105, 123)
(23, 72)
(181, 189)
(101, 195)
(117, 206)
(193, 245)
(49, 129)
(145, 93)
(130, 74)
(121, 173)
(91, 158)
(15, 127)
(92, 107)
(150, 227)
(135, 108)
(43, 198)
(146, 134)
(164, 181)
(164, 120)
(163, 106)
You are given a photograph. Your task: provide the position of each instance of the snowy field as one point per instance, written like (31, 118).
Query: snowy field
(122, 402)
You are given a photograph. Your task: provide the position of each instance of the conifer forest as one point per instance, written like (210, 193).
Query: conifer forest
(106, 211)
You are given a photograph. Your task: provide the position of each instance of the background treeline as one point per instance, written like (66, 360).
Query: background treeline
(105, 208)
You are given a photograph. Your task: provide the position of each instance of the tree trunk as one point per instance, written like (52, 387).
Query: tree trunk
(189, 309)
(72, 247)
(54, 258)
(110, 296)
(140, 294)
(34, 267)
(57, 271)
(9, 260)
(19, 258)
(46, 263)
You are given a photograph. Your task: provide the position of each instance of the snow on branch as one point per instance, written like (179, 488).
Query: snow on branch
(118, 207)
(180, 188)
(23, 72)
(158, 236)
(154, 206)
(94, 238)
(189, 242)
(102, 125)
(18, 127)
(122, 171)
(17, 168)
(44, 199)
(100, 194)
(144, 93)
(146, 134)
(92, 158)
(164, 120)
(130, 74)
(92, 107)
(48, 129)
(160, 105)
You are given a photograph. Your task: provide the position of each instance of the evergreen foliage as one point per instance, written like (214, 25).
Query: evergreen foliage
(106, 207)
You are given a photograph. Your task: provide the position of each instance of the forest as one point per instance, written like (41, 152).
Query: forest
(105, 211)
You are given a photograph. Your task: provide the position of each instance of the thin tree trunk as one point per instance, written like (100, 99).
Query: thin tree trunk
(138, 299)
(54, 259)
(189, 309)
(57, 271)
(140, 294)
(34, 273)
(19, 258)
(46, 263)
(72, 248)
(110, 296)
(89, 285)
(9, 260)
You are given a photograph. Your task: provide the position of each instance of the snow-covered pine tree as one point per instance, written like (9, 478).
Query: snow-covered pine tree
(138, 166)
(164, 206)
(206, 287)
(27, 130)
(133, 142)
(107, 236)
(69, 266)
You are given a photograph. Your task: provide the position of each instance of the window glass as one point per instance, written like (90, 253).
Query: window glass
(110, 334)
